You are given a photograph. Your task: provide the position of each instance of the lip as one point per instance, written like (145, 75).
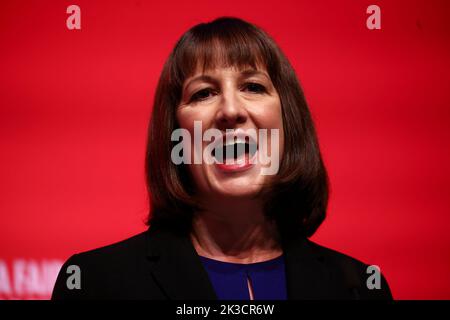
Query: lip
(243, 164)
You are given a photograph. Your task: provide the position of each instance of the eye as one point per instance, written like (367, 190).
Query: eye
(201, 95)
(255, 87)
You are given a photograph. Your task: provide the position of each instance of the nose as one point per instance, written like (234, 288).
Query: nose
(231, 111)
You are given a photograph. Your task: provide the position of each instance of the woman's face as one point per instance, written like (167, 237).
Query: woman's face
(227, 98)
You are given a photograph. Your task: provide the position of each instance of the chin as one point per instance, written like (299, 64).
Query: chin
(218, 184)
(238, 193)
(237, 187)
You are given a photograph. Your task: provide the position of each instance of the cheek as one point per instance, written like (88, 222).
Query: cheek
(269, 115)
(185, 119)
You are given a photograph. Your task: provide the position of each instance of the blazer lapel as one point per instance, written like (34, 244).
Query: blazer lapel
(306, 274)
(177, 269)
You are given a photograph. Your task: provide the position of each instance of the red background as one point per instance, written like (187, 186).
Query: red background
(74, 108)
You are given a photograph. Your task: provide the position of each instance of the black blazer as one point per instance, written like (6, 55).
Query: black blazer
(163, 264)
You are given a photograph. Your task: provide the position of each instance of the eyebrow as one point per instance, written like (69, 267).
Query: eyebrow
(245, 73)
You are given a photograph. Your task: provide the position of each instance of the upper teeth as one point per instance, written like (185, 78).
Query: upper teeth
(229, 143)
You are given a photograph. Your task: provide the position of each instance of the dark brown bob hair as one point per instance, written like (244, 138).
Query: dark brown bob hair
(297, 197)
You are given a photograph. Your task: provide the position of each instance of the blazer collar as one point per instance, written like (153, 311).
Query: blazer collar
(180, 274)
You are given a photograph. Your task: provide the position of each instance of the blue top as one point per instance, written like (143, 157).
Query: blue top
(267, 278)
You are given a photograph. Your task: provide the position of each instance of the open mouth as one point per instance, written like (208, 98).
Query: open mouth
(234, 151)
(237, 151)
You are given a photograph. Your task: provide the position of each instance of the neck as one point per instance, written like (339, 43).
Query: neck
(235, 233)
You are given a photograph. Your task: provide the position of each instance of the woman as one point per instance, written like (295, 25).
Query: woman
(226, 223)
